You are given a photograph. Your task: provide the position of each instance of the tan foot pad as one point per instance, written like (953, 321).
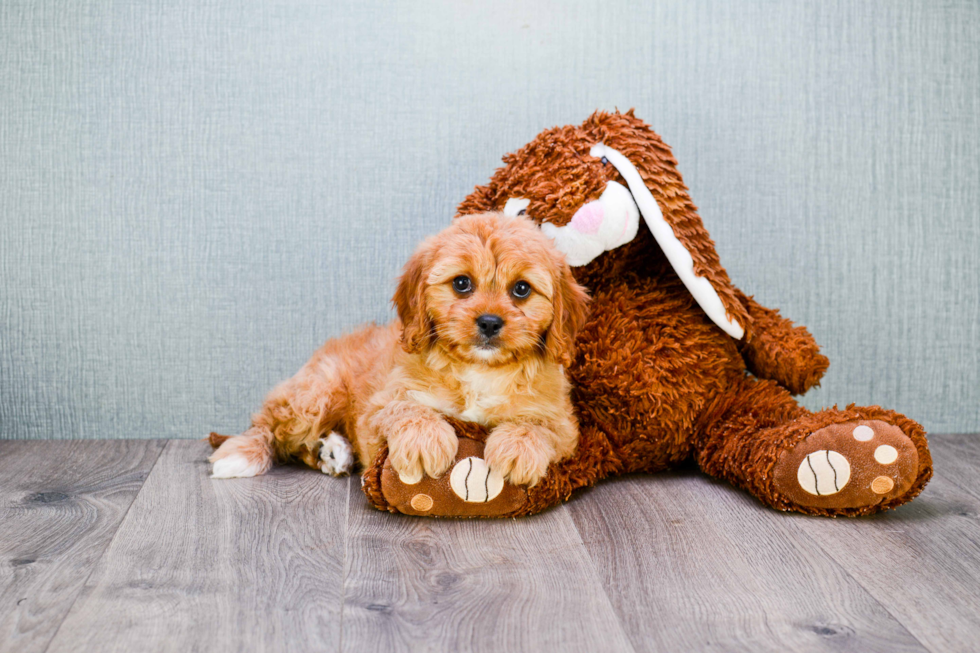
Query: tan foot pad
(850, 465)
(469, 489)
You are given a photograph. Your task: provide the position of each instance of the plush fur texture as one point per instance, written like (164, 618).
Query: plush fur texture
(391, 388)
(655, 382)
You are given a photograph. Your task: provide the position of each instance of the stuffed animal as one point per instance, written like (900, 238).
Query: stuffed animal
(674, 363)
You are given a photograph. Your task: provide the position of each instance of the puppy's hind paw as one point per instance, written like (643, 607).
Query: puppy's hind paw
(235, 465)
(241, 456)
(336, 455)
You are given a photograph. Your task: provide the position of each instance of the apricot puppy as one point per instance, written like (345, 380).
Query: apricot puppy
(488, 311)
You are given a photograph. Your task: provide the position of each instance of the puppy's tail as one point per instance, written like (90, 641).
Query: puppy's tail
(216, 439)
(241, 456)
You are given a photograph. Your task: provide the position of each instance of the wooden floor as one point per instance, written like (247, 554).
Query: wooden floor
(129, 546)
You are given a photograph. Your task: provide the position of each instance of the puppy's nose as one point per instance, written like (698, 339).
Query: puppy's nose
(489, 325)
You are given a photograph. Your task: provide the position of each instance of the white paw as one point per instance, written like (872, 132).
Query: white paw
(336, 455)
(235, 466)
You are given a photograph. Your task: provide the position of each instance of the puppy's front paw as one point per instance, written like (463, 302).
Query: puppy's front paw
(519, 454)
(428, 446)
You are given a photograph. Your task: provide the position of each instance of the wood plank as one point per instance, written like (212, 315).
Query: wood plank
(692, 564)
(957, 459)
(921, 561)
(472, 585)
(60, 504)
(203, 565)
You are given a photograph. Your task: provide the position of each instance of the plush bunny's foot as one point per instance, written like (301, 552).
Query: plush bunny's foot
(849, 465)
(469, 489)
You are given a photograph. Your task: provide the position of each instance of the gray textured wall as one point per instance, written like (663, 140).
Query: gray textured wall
(194, 194)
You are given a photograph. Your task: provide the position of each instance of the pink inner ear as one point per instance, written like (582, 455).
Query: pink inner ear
(588, 219)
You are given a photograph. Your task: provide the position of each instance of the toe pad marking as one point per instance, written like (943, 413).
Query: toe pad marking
(823, 473)
(863, 433)
(886, 454)
(882, 485)
(422, 502)
(474, 482)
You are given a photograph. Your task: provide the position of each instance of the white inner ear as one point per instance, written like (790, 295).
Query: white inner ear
(702, 290)
(515, 205)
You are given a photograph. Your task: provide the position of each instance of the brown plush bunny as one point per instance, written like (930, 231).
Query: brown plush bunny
(675, 362)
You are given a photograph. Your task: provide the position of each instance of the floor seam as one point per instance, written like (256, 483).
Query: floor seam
(108, 545)
(343, 576)
(595, 575)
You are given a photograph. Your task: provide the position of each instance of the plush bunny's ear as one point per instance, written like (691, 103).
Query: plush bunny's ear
(678, 255)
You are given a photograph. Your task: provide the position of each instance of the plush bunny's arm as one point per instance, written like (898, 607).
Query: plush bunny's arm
(775, 349)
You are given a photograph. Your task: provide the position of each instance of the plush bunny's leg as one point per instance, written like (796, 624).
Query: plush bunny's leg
(855, 461)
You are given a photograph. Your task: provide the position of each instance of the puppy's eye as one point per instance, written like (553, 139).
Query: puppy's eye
(462, 284)
(521, 289)
(604, 161)
(522, 212)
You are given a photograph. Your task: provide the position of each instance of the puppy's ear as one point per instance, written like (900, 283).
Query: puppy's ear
(570, 309)
(409, 301)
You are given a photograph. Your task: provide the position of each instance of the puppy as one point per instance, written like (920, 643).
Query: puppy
(488, 311)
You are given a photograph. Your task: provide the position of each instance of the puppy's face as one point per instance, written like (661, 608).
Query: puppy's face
(490, 289)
